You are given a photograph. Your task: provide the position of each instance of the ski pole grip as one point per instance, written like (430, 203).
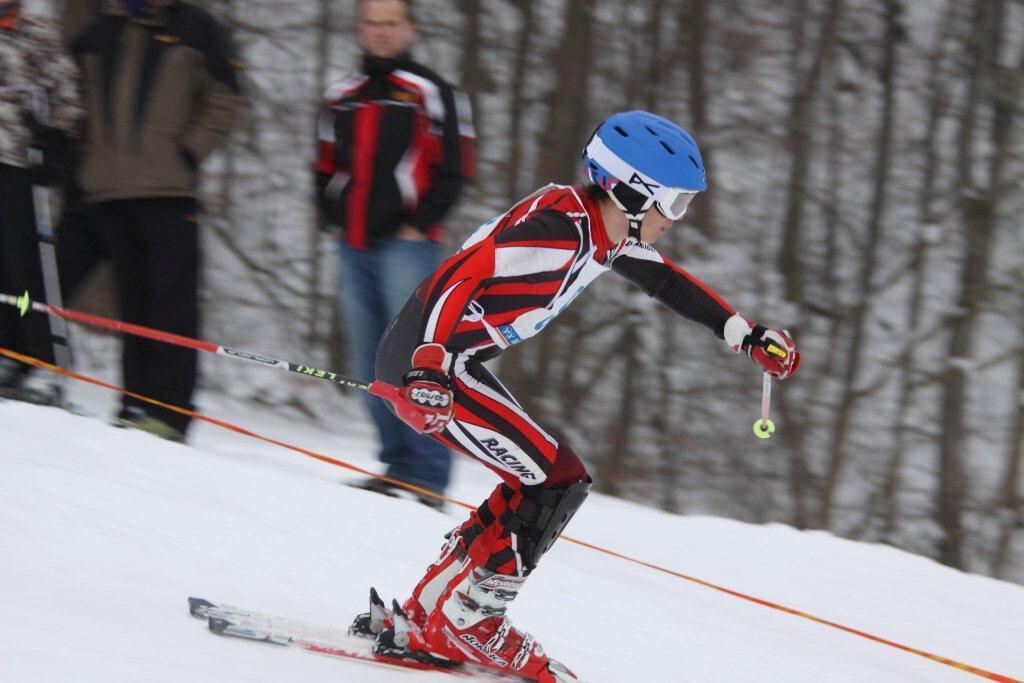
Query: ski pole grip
(405, 411)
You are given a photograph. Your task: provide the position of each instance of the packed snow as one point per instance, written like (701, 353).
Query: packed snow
(105, 532)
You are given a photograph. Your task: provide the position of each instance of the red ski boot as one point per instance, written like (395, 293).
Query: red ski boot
(424, 597)
(470, 626)
(439, 575)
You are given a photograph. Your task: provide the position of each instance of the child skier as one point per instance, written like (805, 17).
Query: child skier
(509, 280)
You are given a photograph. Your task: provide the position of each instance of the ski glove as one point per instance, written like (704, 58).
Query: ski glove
(772, 349)
(428, 390)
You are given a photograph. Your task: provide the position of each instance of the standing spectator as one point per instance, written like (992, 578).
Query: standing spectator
(395, 145)
(35, 75)
(161, 90)
(80, 246)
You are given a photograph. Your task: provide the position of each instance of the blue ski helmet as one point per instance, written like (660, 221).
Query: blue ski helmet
(649, 154)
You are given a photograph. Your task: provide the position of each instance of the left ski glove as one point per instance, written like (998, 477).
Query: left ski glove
(427, 390)
(772, 349)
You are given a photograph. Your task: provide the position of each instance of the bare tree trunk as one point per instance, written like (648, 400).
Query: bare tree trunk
(323, 56)
(793, 439)
(517, 92)
(697, 28)
(848, 402)
(610, 477)
(635, 43)
(568, 111)
(952, 486)
(888, 496)
(472, 78)
(979, 212)
(799, 139)
(664, 424)
(558, 157)
(652, 84)
(1011, 503)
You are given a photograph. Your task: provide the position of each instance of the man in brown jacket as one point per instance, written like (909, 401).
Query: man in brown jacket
(160, 87)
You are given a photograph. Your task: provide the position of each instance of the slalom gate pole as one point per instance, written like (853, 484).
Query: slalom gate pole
(388, 392)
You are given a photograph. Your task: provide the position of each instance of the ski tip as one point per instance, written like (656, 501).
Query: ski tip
(375, 598)
(397, 609)
(197, 606)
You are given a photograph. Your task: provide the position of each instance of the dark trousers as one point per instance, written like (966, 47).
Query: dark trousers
(80, 245)
(20, 268)
(154, 244)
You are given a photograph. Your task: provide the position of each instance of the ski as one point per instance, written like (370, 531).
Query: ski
(235, 622)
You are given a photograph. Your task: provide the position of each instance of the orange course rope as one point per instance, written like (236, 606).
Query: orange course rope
(967, 668)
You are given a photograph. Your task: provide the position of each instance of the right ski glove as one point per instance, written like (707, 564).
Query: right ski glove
(428, 389)
(772, 349)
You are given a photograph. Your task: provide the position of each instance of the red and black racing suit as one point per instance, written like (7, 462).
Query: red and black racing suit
(507, 282)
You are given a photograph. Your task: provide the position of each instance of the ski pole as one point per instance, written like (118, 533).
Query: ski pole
(764, 427)
(388, 392)
(47, 251)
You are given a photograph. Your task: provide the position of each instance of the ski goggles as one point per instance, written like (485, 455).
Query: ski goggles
(672, 202)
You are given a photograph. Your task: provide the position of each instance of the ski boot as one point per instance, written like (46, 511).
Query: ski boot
(470, 626)
(424, 597)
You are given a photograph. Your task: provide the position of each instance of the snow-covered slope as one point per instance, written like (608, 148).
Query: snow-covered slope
(105, 532)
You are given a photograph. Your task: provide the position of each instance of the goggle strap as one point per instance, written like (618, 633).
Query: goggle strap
(635, 219)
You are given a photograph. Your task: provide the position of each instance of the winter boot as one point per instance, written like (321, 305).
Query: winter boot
(12, 376)
(471, 626)
(43, 389)
(136, 418)
(386, 488)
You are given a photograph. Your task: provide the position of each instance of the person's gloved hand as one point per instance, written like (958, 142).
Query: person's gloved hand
(427, 389)
(772, 349)
(53, 165)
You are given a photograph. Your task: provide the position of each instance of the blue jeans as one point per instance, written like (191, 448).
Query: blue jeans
(374, 285)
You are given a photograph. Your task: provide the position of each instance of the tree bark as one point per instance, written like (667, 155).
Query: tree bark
(907, 363)
(472, 76)
(697, 29)
(858, 339)
(568, 115)
(517, 93)
(323, 56)
(610, 478)
(801, 120)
